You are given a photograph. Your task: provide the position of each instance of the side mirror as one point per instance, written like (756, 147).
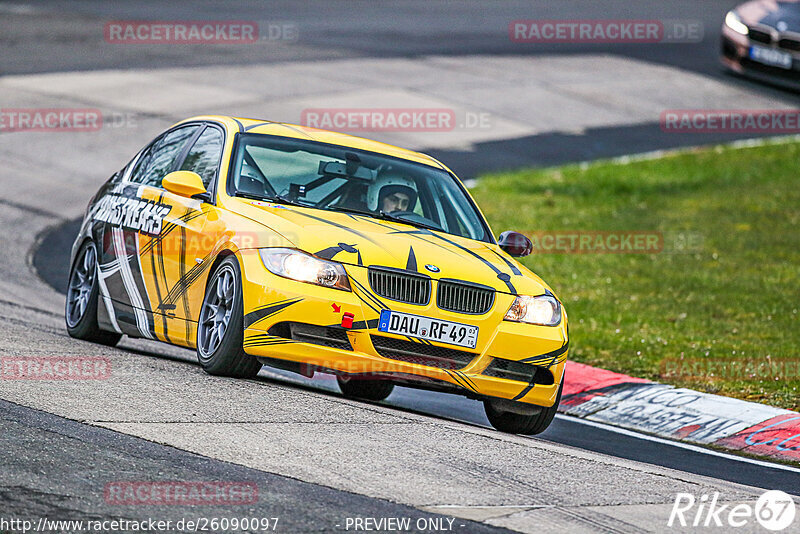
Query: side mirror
(186, 184)
(515, 244)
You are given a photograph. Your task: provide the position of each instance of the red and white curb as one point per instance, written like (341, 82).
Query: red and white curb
(679, 414)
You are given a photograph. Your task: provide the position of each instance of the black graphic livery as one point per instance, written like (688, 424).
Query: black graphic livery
(135, 214)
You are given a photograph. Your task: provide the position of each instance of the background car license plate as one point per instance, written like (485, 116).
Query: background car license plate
(462, 335)
(769, 56)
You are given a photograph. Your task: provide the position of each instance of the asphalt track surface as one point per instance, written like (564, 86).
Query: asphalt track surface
(564, 430)
(46, 451)
(65, 37)
(48, 37)
(33, 484)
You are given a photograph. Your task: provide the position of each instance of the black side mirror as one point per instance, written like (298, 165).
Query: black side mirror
(515, 244)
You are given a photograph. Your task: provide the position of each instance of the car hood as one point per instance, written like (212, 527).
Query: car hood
(771, 13)
(366, 241)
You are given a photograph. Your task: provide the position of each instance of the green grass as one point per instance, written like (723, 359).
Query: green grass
(732, 294)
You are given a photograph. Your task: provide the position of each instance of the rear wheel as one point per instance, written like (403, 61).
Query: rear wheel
(525, 419)
(354, 387)
(82, 295)
(220, 330)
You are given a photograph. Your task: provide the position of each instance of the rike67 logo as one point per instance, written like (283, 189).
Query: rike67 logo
(774, 510)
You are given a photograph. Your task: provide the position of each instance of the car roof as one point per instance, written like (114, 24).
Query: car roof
(282, 129)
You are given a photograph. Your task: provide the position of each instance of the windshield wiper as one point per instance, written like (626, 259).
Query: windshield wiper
(366, 213)
(251, 196)
(276, 199)
(380, 215)
(418, 224)
(385, 216)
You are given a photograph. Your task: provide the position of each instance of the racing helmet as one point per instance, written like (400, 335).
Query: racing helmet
(387, 183)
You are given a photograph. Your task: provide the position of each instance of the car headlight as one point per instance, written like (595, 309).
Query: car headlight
(735, 23)
(303, 267)
(543, 310)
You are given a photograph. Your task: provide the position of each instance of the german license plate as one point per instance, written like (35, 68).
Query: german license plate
(770, 56)
(406, 324)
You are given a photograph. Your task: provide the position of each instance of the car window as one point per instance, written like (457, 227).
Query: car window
(162, 155)
(459, 216)
(203, 158)
(328, 177)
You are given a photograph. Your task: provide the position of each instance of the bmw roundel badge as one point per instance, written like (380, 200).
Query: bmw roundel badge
(432, 268)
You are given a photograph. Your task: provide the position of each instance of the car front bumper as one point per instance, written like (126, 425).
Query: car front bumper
(273, 307)
(735, 55)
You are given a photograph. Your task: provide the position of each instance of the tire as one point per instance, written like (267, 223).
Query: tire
(353, 387)
(220, 334)
(516, 423)
(83, 289)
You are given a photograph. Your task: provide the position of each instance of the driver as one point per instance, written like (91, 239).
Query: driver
(391, 192)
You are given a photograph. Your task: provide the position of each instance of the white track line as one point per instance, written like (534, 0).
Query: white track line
(603, 426)
(679, 444)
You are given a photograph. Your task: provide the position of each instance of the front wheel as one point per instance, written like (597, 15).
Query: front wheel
(220, 330)
(356, 387)
(82, 295)
(518, 421)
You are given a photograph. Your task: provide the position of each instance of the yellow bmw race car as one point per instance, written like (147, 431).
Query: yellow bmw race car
(257, 242)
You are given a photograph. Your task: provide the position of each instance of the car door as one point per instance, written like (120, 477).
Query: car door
(176, 260)
(137, 214)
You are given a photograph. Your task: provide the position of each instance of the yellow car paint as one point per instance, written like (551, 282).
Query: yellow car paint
(177, 262)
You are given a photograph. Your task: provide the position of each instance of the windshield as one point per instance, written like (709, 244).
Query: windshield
(329, 177)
